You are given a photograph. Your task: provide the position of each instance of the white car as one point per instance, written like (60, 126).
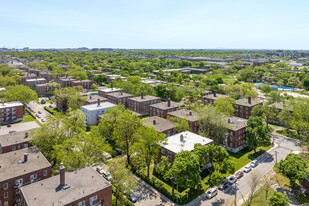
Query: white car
(211, 193)
(232, 179)
(254, 163)
(100, 170)
(247, 168)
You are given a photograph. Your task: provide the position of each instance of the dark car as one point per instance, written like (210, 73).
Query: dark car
(132, 198)
(8, 125)
(239, 174)
(223, 184)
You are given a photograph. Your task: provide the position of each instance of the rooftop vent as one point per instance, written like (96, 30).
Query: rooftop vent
(25, 157)
(62, 175)
(215, 93)
(169, 102)
(154, 122)
(142, 95)
(249, 99)
(181, 138)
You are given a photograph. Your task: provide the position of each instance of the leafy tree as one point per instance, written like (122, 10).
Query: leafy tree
(148, 144)
(300, 118)
(266, 89)
(122, 179)
(266, 112)
(275, 97)
(181, 124)
(76, 101)
(163, 168)
(20, 93)
(294, 167)
(294, 82)
(201, 65)
(160, 74)
(100, 78)
(161, 91)
(69, 97)
(306, 82)
(225, 105)
(257, 133)
(125, 126)
(186, 169)
(279, 199)
(94, 86)
(285, 117)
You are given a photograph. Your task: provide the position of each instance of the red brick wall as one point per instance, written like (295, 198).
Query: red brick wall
(19, 113)
(17, 146)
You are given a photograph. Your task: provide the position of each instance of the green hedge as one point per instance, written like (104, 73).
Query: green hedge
(49, 110)
(122, 201)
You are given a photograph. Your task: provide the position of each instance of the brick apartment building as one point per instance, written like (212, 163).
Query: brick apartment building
(112, 77)
(33, 82)
(190, 116)
(43, 89)
(86, 84)
(80, 187)
(93, 99)
(18, 168)
(141, 104)
(11, 112)
(244, 107)
(119, 98)
(14, 141)
(65, 82)
(279, 107)
(161, 109)
(103, 92)
(159, 124)
(183, 141)
(210, 98)
(28, 76)
(207, 93)
(235, 140)
(46, 74)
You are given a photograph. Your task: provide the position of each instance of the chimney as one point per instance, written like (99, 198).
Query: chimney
(190, 113)
(25, 157)
(249, 99)
(154, 122)
(215, 93)
(62, 175)
(120, 93)
(142, 95)
(99, 102)
(90, 96)
(169, 102)
(181, 137)
(228, 120)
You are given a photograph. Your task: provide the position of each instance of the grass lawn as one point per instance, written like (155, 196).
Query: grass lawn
(27, 118)
(245, 156)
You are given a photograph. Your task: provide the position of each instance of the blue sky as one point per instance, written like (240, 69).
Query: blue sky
(155, 24)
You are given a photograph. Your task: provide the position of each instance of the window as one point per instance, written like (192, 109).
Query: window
(162, 151)
(45, 173)
(5, 186)
(92, 199)
(82, 203)
(19, 181)
(169, 154)
(13, 148)
(25, 145)
(6, 195)
(33, 177)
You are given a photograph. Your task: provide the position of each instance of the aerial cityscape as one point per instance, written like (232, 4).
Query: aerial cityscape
(154, 103)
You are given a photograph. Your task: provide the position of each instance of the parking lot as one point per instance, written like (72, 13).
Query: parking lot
(38, 109)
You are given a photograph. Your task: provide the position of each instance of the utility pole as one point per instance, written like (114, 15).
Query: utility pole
(235, 194)
(276, 156)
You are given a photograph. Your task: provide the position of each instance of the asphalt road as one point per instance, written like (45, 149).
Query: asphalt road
(39, 107)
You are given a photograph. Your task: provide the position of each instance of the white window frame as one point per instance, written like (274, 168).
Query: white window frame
(45, 173)
(5, 186)
(82, 203)
(6, 195)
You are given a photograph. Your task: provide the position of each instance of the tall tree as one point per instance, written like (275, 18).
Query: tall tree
(161, 91)
(181, 124)
(294, 167)
(279, 199)
(20, 93)
(225, 105)
(126, 125)
(148, 144)
(257, 133)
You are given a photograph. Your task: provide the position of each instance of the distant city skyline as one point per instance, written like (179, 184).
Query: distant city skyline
(159, 24)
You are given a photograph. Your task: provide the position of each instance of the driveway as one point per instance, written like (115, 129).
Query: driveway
(39, 107)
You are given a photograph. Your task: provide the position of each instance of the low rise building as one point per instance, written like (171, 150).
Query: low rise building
(11, 112)
(18, 168)
(93, 99)
(14, 141)
(188, 115)
(119, 98)
(183, 141)
(210, 98)
(92, 111)
(33, 82)
(65, 82)
(141, 104)
(244, 107)
(86, 84)
(103, 92)
(159, 124)
(27, 76)
(80, 187)
(112, 77)
(161, 109)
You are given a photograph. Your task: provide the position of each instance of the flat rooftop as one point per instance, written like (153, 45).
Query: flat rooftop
(120, 94)
(164, 105)
(185, 114)
(34, 80)
(78, 81)
(10, 104)
(10, 167)
(83, 182)
(109, 90)
(212, 96)
(94, 98)
(19, 127)
(245, 102)
(103, 105)
(161, 124)
(236, 123)
(146, 98)
(42, 85)
(175, 144)
(14, 138)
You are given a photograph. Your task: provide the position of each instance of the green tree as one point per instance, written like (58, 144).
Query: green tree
(163, 168)
(306, 82)
(125, 126)
(285, 117)
(186, 169)
(266, 89)
(257, 133)
(279, 199)
(181, 124)
(294, 167)
(100, 78)
(225, 105)
(201, 65)
(161, 91)
(76, 101)
(20, 93)
(122, 179)
(148, 144)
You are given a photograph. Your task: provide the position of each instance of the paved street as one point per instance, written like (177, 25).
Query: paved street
(39, 107)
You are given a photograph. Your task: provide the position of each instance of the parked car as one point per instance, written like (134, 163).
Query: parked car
(132, 197)
(43, 120)
(39, 116)
(100, 170)
(247, 168)
(223, 184)
(50, 106)
(39, 112)
(9, 125)
(211, 193)
(254, 163)
(239, 174)
(232, 179)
